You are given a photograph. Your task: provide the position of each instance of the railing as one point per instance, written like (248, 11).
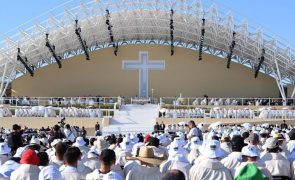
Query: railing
(63, 101)
(201, 101)
(11, 112)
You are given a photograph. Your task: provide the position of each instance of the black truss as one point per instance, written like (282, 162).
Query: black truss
(52, 50)
(24, 61)
(231, 49)
(108, 23)
(261, 60)
(82, 43)
(202, 40)
(172, 31)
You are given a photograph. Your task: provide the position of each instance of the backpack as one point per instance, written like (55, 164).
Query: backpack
(250, 172)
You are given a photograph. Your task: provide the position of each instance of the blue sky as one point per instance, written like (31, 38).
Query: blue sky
(277, 16)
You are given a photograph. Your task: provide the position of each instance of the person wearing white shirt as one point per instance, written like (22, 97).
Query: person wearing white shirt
(69, 134)
(194, 131)
(71, 158)
(210, 167)
(107, 159)
(234, 159)
(274, 161)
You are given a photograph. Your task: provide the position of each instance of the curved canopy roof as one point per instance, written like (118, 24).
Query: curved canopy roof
(145, 22)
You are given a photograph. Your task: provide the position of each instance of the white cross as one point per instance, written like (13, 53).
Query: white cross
(143, 65)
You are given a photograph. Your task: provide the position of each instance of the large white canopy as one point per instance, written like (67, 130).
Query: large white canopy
(145, 22)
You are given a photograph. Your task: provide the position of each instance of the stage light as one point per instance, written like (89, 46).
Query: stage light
(172, 31)
(108, 23)
(82, 42)
(231, 49)
(261, 60)
(24, 61)
(202, 40)
(52, 50)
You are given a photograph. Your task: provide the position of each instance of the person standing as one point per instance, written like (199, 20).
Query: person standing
(97, 127)
(57, 134)
(162, 127)
(284, 125)
(83, 132)
(156, 127)
(15, 138)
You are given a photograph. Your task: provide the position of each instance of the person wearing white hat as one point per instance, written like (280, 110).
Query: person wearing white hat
(225, 144)
(4, 153)
(274, 161)
(125, 150)
(81, 144)
(51, 151)
(177, 161)
(92, 159)
(11, 165)
(194, 146)
(250, 156)
(210, 168)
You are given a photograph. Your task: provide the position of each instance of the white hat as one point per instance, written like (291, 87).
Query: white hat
(212, 149)
(263, 131)
(179, 158)
(50, 173)
(195, 142)
(164, 139)
(112, 176)
(126, 144)
(4, 148)
(79, 142)
(180, 141)
(134, 138)
(93, 153)
(19, 152)
(176, 147)
(35, 141)
(271, 143)
(54, 142)
(250, 151)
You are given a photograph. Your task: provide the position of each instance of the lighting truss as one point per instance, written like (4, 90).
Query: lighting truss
(171, 31)
(81, 41)
(202, 40)
(108, 23)
(261, 60)
(140, 23)
(231, 49)
(52, 50)
(24, 61)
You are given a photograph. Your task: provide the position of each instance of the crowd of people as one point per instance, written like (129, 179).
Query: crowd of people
(261, 151)
(219, 113)
(41, 111)
(58, 101)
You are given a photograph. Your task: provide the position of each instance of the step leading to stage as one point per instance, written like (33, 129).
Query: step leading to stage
(133, 118)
